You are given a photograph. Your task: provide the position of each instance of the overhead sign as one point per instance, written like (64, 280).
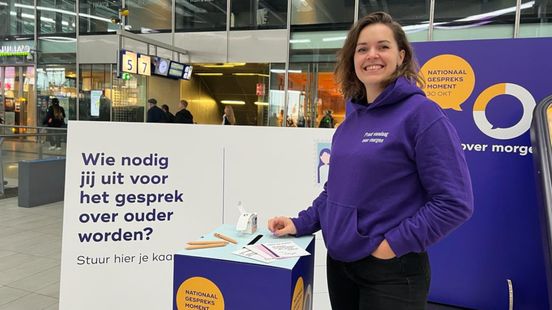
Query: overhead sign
(144, 65)
(129, 62)
(176, 70)
(15, 50)
(135, 63)
(187, 72)
(260, 89)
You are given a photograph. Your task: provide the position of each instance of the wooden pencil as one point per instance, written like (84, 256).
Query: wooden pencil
(223, 237)
(205, 246)
(207, 242)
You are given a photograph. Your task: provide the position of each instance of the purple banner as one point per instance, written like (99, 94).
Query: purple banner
(488, 89)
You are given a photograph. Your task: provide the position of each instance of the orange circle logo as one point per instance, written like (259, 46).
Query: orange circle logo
(449, 80)
(297, 299)
(199, 293)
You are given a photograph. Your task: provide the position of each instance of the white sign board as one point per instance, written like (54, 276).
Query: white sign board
(136, 193)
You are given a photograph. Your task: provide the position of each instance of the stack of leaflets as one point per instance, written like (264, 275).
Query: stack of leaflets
(268, 252)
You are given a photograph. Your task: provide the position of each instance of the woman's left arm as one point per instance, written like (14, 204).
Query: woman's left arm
(444, 175)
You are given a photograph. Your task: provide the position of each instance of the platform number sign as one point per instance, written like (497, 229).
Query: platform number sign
(187, 73)
(144, 65)
(129, 62)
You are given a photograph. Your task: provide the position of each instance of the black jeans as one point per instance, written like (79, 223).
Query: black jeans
(55, 140)
(399, 283)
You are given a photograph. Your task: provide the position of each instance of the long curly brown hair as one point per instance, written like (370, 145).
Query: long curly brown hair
(351, 86)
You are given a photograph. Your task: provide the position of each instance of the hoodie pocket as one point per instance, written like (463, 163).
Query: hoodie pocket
(339, 224)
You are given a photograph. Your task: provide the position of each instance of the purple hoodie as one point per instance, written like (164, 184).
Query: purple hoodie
(397, 172)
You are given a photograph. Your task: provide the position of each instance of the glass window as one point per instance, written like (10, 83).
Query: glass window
(315, 46)
(17, 19)
(474, 19)
(333, 14)
(95, 92)
(412, 15)
(56, 16)
(147, 16)
(17, 104)
(313, 93)
(129, 99)
(276, 95)
(262, 14)
(195, 15)
(57, 80)
(536, 19)
(95, 16)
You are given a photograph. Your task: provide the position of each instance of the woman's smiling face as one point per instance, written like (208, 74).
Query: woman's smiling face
(376, 58)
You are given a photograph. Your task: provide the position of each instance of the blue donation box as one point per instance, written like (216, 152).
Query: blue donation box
(217, 278)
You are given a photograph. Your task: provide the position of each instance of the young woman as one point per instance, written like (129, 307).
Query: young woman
(398, 181)
(55, 118)
(228, 117)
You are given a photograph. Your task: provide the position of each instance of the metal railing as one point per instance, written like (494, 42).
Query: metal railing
(26, 134)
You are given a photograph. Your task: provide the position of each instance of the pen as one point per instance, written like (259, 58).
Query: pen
(255, 239)
(223, 237)
(207, 242)
(205, 246)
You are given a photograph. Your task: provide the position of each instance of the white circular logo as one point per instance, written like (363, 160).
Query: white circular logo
(525, 98)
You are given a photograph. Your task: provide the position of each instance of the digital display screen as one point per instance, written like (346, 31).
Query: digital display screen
(161, 66)
(176, 70)
(187, 72)
(95, 96)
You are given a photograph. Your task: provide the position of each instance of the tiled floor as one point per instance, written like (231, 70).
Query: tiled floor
(30, 251)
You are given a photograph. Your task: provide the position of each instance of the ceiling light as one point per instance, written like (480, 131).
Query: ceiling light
(224, 65)
(251, 74)
(299, 41)
(208, 74)
(232, 102)
(96, 17)
(284, 71)
(261, 103)
(42, 8)
(334, 39)
(26, 6)
(58, 39)
(218, 66)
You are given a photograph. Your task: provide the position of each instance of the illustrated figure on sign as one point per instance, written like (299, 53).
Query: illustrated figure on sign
(323, 165)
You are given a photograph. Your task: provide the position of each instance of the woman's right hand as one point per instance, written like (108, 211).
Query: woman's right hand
(281, 226)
